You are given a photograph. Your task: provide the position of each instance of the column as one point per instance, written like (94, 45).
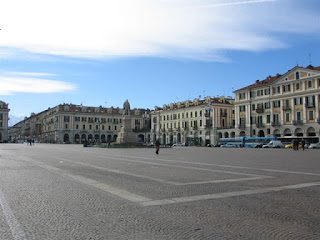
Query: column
(317, 107)
(281, 111)
(304, 118)
(292, 109)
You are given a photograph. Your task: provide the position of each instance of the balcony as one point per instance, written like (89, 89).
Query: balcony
(275, 124)
(286, 108)
(224, 114)
(226, 127)
(297, 122)
(310, 105)
(259, 110)
(260, 125)
(241, 126)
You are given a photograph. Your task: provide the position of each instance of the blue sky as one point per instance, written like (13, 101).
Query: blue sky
(152, 52)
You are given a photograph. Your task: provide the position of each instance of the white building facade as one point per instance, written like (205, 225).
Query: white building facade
(4, 119)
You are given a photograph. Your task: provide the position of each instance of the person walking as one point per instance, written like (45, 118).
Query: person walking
(303, 142)
(157, 146)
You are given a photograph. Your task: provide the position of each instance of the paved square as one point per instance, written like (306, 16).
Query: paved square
(71, 192)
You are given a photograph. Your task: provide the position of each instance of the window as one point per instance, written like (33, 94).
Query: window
(200, 113)
(66, 118)
(276, 90)
(297, 86)
(276, 104)
(268, 118)
(287, 117)
(178, 115)
(242, 108)
(190, 114)
(267, 105)
(90, 127)
(310, 84)
(164, 117)
(297, 75)
(260, 93)
(310, 115)
(286, 88)
(77, 119)
(200, 123)
(267, 91)
(66, 126)
(252, 94)
(182, 115)
(242, 96)
(97, 127)
(253, 120)
(77, 126)
(253, 107)
(268, 131)
(115, 128)
(186, 115)
(83, 127)
(276, 118)
(298, 101)
(109, 127)
(102, 127)
(299, 116)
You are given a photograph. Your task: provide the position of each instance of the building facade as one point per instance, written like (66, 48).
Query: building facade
(281, 105)
(192, 122)
(4, 119)
(68, 123)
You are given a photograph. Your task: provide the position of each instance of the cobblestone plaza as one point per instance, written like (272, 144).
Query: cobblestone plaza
(70, 192)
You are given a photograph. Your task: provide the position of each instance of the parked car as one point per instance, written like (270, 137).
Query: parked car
(314, 145)
(228, 145)
(178, 144)
(290, 145)
(273, 144)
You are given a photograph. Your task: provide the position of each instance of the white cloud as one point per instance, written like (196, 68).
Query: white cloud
(10, 85)
(201, 29)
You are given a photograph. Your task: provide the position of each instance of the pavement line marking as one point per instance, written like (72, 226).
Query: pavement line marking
(227, 166)
(90, 182)
(119, 172)
(227, 194)
(161, 180)
(16, 230)
(179, 166)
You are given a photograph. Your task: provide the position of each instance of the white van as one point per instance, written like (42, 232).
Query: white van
(273, 144)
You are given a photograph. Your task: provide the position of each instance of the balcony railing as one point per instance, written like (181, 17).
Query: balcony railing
(310, 105)
(286, 108)
(275, 124)
(297, 122)
(226, 127)
(241, 126)
(260, 125)
(259, 110)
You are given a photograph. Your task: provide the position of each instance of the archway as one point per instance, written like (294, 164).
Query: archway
(66, 137)
(96, 138)
(261, 133)
(276, 133)
(148, 138)
(219, 135)
(90, 138)
(242, 134)
(311, 132)
(298, 132)
(164, 137)
(83, 138)
(171, 139)
(77, 138)
(287, 132)
(141, 138)
(233, 135)
(103, 138)
(226, 135)
(179, 137)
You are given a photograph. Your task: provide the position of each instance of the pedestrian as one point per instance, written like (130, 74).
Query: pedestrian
(157, 146)
(303, 142)
(294, 144)
(297, 144)
(32, 141)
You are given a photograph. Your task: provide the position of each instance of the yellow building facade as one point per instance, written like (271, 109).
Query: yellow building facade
(192, 122)
(282, 105)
